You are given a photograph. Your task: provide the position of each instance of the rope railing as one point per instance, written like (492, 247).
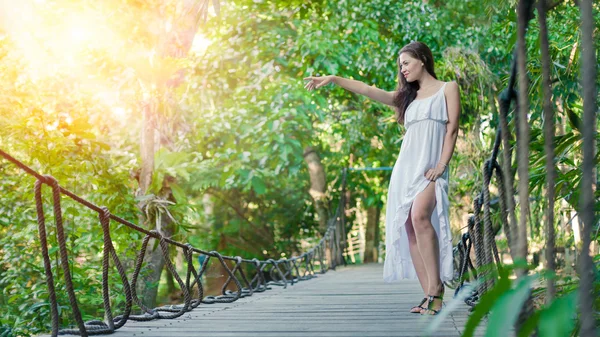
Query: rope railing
(327, 254)
(481, 234)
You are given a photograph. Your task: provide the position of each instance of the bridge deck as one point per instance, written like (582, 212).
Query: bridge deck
(351, 301)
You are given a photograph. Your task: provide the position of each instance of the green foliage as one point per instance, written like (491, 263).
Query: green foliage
(502, 305)
(505, 311)
(230, 168)
(559, 318)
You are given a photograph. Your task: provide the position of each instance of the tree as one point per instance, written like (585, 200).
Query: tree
(178, 21)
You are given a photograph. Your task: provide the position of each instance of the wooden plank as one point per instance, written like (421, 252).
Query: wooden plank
(351, 301)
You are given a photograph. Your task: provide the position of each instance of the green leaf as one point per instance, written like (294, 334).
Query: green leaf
(52, 250)
(485, 304)
(157, 182)
(37, 306)
(179, 194)
(530, 325)
(101, 145)
(258, 185)
(71, 211)
(505, 311)
(559, 319)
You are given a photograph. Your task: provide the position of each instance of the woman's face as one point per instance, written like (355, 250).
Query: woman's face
(411, 68)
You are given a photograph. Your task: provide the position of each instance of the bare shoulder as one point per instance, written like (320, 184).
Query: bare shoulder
(452, 93)
(451, 87)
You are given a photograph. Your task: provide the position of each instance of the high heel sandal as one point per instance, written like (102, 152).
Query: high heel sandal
(429, 310)
(420, 307)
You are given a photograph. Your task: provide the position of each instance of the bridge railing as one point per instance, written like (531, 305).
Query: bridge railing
(248, 275)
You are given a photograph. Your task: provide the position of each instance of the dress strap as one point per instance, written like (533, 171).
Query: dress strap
(441, 89)
(443, 86)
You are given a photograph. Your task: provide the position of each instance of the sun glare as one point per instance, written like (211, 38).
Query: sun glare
(78, 35)
(119, 112)
(52, 40)
(200, 44)
(67, 43)
(71, 43)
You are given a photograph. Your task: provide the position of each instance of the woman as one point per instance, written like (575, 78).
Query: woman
(418, 239)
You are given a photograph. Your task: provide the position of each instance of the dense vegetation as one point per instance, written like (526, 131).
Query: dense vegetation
(232, 133)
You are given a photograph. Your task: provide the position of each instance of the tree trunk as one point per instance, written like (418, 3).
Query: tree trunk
(586, 200)
(524, 15)
(153, 258)
(372, 234)
(548, 148)
(154, 264)
(175, 42)
(318, 186)
(147, 147)
(523, 133)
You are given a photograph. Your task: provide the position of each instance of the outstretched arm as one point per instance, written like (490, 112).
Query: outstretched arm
(385, 97)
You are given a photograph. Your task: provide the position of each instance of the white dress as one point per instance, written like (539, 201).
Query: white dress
(425, 122)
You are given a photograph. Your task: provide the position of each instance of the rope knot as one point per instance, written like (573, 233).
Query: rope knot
(105, 214)
(49, 180)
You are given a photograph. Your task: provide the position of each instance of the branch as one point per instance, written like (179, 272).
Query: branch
(552, 6)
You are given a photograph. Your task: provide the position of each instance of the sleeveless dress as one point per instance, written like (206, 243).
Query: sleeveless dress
(425, 122)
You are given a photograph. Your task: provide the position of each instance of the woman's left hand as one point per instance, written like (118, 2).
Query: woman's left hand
(433, 174)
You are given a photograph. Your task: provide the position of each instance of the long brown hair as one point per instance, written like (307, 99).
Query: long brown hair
(407, 92)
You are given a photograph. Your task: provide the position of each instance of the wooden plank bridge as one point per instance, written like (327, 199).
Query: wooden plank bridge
(350, 301)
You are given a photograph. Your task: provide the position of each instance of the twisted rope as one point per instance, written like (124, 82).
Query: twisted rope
(482, 236)
(282, 272)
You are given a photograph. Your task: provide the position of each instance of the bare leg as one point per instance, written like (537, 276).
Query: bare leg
(417, 260)
(427, 241)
